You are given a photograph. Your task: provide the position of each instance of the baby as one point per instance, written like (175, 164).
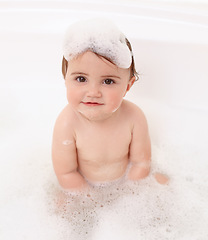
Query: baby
(99, 135)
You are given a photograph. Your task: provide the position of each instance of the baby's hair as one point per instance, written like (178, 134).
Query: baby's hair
(133, 71)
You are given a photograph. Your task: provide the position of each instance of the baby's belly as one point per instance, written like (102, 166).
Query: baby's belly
(103, 171)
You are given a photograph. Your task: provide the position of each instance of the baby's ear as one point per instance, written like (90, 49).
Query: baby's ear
(130, 83)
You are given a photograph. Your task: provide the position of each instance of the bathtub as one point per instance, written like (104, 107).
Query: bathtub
(170, 44)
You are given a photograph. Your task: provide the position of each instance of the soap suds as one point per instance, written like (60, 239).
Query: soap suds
(100, 36)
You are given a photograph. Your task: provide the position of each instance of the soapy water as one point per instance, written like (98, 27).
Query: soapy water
(135, 210)
(34, 206)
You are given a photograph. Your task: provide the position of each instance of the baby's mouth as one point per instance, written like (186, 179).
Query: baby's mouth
(92, 103)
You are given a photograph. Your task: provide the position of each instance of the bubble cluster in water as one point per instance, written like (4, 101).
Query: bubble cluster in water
(131, 210)
(35, 207)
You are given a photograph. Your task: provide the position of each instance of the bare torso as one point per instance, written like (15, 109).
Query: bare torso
(100, 151)
(103, 148)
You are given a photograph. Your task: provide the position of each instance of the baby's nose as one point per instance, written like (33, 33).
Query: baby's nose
(94, 91)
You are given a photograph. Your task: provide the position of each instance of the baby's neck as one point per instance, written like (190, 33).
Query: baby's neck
(101, 122)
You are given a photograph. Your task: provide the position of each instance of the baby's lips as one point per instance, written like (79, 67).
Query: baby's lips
(92, 103)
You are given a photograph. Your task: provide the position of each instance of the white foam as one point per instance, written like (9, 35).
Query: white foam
(100, 36)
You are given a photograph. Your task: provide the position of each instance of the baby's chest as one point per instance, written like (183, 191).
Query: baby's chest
(103, 143)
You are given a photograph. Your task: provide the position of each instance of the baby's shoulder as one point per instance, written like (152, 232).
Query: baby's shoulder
(132, 110)
(65, 119)
(135, 116)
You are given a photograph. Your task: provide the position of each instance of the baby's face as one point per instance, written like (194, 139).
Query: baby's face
(96, 87)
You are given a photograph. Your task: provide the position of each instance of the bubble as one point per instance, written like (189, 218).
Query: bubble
(100, 36)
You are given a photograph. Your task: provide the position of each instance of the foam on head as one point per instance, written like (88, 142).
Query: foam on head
(100, 36)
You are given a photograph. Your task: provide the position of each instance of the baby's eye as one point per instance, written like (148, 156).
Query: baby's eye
(108, 81)
(81, 79)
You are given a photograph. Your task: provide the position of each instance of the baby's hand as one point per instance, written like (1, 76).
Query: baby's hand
(139, 170)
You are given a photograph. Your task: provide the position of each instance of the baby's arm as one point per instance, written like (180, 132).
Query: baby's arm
(64, 154)
(140, 148)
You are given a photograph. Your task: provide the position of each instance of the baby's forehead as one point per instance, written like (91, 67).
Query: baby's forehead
(90, 62)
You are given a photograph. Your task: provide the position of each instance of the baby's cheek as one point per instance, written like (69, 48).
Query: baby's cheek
(115, 101)
(72, 96)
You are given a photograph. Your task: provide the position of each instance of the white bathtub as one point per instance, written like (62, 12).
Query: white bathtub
(170, 43)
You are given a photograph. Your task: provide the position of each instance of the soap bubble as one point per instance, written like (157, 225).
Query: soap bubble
(100, 36)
